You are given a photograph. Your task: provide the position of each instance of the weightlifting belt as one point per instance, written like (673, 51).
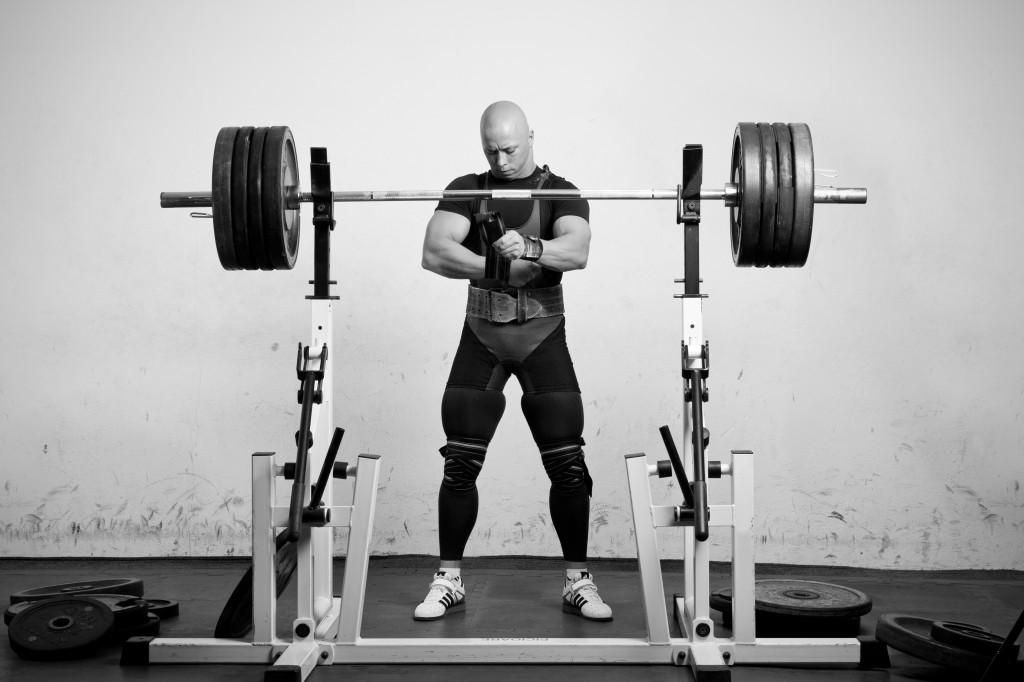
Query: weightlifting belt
(519, 306)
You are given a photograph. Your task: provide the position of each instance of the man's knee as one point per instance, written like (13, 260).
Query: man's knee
(463, 460)
(566, 467)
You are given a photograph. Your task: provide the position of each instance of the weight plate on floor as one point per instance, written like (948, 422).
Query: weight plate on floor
(970, 637)
(239, 198)
(817, 623)
(280, 178)
(784, 213)
(745, 216)
(223, 231)
(164, 608)
(807, 598)
(769, 195)
(255, 199)
(150, 627)
(236, 619)
(803, 194)
(60, 629)
(127, 609)
(128, 586)
(912, 635)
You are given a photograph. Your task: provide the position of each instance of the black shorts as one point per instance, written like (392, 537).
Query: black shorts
(543, 367)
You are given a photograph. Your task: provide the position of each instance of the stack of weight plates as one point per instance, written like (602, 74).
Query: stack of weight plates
(800, 608)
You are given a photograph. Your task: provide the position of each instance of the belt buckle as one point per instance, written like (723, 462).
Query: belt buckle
(501, 307)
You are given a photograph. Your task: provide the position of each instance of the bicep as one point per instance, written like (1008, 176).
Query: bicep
(574, 226)
(445, 226)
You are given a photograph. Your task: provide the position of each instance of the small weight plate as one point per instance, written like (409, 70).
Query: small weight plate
(127, 586)
(164, 608)
(280, 178)
(912, 635)
(784, 214)
(60, 629)
(147, 628)
(254, 197)
(236, 619)
(970, 637)
(806, 598)
(769, 195)
(745, 216)
(803, 194)
(239, 198)
(223, 231)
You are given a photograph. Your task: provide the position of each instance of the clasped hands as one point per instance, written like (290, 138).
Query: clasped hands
(511, 246)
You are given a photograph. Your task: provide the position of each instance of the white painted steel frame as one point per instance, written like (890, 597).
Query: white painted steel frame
(332, 624)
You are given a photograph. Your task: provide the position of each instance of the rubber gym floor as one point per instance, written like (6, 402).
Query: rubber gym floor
(508, 597)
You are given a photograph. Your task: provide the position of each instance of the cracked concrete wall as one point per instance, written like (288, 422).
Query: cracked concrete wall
(880, 387)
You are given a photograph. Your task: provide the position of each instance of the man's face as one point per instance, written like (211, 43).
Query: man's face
(509, 152)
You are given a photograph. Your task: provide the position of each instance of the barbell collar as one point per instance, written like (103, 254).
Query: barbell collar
(729, 194)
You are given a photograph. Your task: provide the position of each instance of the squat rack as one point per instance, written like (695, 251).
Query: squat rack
(327, 628)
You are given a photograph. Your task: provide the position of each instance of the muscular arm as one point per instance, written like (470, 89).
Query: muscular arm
(443, 252)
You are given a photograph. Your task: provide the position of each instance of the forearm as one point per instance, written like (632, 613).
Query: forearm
(565, 253)
(453, 261)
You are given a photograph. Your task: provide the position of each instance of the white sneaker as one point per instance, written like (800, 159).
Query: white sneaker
(446, 594)
(581, 598)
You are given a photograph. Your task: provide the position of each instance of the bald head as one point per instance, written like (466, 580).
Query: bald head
(507, 141)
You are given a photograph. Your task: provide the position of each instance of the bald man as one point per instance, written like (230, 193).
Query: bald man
(512, 328)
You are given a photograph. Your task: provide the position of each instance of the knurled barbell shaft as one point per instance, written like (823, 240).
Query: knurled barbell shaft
(822, 195)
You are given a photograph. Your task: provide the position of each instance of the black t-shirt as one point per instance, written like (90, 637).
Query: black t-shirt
(515, 212)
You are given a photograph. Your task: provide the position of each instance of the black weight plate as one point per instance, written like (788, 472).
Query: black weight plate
(127, 609)
(280, 176)
(768, 624)
(769, 195)
(255, 199)
(745, 217)
(164, 608)
(127, 586)
(784, 214)
(970, 637)
(60, 629)
(147, 628)
(805, 598)
(803, 194)
(223, 231)
(239, 198)
(912, 635)
(235, 620)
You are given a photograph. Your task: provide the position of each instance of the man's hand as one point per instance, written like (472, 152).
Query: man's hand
(521, 272)
(511, 246)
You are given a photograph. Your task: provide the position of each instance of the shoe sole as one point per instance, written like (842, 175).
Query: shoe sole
(455, 608)
(569, 608)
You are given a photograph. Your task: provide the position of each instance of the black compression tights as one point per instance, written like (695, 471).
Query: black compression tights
(470, 417)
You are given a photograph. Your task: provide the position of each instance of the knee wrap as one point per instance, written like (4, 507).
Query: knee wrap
(463, 460)
(565, 466)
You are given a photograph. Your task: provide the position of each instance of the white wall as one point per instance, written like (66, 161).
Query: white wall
(880, 386)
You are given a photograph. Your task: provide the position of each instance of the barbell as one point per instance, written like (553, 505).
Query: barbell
(255, 196)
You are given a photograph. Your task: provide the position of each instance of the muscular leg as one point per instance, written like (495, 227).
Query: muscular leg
(556, 420)
(469, 417)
